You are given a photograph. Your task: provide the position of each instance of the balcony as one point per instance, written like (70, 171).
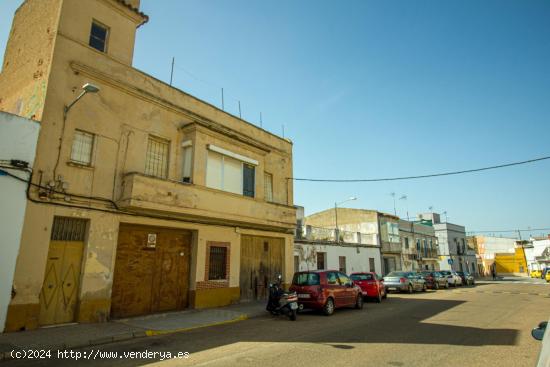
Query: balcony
(147, 194)
(311, 233)
(391, 247)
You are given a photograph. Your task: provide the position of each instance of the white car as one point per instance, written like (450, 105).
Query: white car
(453, 278)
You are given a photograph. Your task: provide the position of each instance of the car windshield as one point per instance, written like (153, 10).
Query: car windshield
(396, 274)
(445, 272)
(460, 273)
(426, 273)
(306, 279)
(361, 277)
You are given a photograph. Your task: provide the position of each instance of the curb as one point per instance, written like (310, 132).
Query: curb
(172, 331)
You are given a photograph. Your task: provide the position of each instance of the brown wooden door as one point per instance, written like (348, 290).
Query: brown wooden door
(150, 277)
(262, 261)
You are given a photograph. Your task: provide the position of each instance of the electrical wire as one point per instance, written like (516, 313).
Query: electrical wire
(422, 176)
(513, 230)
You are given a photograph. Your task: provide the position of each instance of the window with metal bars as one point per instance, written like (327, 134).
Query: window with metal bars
(82, 148)
(217, 265)
(68, 229)
(156, 159)
(268, 187)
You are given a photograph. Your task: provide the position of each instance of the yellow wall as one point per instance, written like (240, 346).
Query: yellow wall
(511, 263)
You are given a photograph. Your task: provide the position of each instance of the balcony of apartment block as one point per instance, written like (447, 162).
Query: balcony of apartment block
(390, 247)
(146, 194)
(327, 235)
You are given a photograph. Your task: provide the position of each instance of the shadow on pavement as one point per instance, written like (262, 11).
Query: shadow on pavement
(396, 320)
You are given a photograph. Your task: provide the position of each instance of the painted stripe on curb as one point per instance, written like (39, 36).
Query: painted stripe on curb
(172, 331)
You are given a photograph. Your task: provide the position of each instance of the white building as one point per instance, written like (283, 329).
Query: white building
(18, 137)
(454, 252)
(536, 253)
(318, 248)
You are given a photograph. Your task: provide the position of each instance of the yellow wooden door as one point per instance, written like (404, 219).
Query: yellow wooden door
(59, 293)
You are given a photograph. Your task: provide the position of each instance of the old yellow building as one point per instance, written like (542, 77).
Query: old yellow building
(143, 198)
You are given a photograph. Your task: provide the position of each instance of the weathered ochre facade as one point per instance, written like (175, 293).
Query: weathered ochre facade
(45, 66)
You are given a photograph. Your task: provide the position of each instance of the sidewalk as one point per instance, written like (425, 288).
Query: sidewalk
(74, 336)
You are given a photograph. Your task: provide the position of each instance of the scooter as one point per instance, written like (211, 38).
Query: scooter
(281, 302)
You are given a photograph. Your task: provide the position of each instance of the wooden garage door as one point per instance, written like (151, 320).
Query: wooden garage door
(262, 259)
(151, 271)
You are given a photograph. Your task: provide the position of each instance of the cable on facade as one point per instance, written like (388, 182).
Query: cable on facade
(422, 176)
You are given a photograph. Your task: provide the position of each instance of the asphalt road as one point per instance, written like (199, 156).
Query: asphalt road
(485, 325)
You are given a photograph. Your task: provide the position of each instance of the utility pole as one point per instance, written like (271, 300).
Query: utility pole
(223, 102)
(394, 210)
(240, 116)
(172, 72)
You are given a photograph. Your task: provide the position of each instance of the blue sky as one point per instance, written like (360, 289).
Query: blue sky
(371, 89)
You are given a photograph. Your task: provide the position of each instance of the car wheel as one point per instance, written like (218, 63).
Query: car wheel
(424, 287)
(359, 302)
(328, 308)
(410, 289)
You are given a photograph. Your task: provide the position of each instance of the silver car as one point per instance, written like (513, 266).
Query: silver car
(453, 278)
(404, 281)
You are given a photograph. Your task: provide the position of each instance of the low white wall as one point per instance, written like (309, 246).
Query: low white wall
(357, 258)
(18, 137)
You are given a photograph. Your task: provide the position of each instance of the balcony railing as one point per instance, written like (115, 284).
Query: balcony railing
(311, 233)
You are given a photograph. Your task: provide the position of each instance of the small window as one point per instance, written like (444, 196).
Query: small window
(187, 156)
(342, 264)
(320, 260)
(371, 265)
(406, 242)
(268, 186)
(81, 152)
(217, 266)
(248, 180)
(98, 37)
(156, 160)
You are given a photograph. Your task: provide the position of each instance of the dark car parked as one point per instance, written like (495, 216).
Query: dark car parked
(434, 279)
(326, 290)
(467, 278)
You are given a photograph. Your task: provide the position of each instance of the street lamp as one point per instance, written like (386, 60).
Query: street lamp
(86, 88)
(336, 215)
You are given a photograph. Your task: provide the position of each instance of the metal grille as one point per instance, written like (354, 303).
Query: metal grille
(156, 160)
(342, 264)
(81, 152)
(218, 263)
(68, 229)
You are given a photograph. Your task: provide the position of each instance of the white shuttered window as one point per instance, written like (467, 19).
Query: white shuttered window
(81, 151)
(227, 174)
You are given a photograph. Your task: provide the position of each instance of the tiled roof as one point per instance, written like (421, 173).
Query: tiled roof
(135, 10)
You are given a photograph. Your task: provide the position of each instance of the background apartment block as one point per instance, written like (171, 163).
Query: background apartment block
(384, 226)
(419, 244)
(149, 199)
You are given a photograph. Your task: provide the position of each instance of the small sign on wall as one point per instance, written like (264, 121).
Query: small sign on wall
(151, 240)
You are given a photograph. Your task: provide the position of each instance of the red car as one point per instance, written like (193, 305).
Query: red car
(326, 290)
(371, 285)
